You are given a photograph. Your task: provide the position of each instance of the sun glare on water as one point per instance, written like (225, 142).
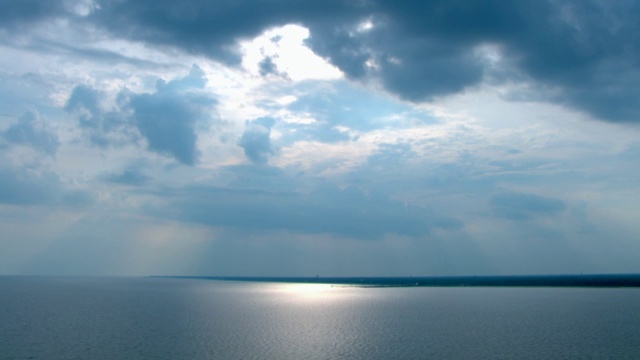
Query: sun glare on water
(306, 291)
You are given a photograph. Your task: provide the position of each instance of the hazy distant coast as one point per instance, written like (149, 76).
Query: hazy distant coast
(599, 280)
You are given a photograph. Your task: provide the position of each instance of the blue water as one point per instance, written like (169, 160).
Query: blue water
(160, 318)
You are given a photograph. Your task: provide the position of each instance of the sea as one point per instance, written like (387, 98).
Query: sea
(172, 318)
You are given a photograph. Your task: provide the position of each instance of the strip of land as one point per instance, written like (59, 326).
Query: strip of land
(598, 280)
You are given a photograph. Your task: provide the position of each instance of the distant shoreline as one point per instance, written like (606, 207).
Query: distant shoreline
(593, 280)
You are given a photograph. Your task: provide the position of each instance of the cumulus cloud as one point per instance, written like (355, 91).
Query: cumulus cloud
(103, 127)
(165, 118)
(256, 140)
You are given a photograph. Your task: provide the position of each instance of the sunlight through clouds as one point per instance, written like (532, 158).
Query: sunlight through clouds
(284, 50)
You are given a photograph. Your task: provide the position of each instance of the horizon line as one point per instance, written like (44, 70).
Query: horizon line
(549, 280)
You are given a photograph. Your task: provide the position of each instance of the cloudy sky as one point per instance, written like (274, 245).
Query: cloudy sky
(339, 138)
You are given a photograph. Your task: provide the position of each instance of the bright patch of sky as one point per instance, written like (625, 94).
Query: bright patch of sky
(283, 50)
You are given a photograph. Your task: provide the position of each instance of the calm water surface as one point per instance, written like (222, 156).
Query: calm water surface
(156, 318)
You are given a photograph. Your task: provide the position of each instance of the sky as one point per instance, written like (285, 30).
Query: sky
(331, 138)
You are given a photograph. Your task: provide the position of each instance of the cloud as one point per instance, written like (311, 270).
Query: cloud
(408, 59)
(165, 118)
(103, 127)
(586, 51)
(89, 53)
(573, 47)
(31, 131)
(325, 210)
(267, 67)
(422, 50)
(131, 176)
(19, 13)
(256, 140)
(212, 29)
(83, 98)
(521, 206)
(24, 186)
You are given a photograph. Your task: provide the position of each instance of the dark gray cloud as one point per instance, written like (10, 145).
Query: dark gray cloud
(520, 206)
(19, 13)
(256, 140)
(587, 51)
(29, 130)
(409, 49)
(423, 49)
(211, 28)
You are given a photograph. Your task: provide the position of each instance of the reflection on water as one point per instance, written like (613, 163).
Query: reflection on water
(276, 321)
(306, 291)
(107, 318)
